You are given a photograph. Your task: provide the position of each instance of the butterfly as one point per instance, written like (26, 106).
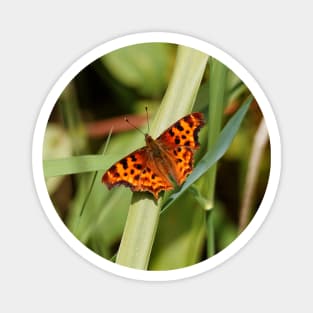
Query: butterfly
(164, 160)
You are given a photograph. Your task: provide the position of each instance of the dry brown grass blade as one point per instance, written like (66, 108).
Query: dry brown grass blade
(259, 144)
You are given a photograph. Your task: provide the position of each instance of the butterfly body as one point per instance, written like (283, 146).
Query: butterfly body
(158, 155)
(164, 160)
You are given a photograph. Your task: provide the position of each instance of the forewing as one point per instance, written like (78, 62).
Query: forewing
(184, 132)
(179, 142)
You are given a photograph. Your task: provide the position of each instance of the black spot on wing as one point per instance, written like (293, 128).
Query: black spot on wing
(195, 134)
(190, 163)
(179, 126)
(177, 140)
(124, 163)
(188, 120)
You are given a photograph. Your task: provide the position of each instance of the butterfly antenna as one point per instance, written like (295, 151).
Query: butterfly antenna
(131, 124)
(147, 119)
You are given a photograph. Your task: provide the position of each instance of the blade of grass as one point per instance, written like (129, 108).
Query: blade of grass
(91, 163)
(210, 245)
(94, 176)
(218, 73)
(259, 144)
(143, 216)
(217, 87)
(79, 164)
(211, 157)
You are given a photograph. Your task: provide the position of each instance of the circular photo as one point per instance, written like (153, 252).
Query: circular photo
(156, 156)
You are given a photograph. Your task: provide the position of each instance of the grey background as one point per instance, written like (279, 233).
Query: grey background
(39, 40)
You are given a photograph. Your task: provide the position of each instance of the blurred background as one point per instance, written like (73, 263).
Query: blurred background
(96, 101)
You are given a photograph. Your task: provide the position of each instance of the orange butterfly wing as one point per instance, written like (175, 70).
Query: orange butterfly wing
(184, 132)
(141, 171)
(138, 172)
(180, 141)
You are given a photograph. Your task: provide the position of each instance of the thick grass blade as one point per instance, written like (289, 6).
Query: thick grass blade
(143, 216)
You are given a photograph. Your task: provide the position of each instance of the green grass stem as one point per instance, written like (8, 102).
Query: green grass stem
(217, 87)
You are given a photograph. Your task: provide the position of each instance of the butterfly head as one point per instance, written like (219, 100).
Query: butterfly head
(148, 138)
(150, 142)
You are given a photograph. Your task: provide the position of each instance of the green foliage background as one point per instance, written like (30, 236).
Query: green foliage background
(123, 83)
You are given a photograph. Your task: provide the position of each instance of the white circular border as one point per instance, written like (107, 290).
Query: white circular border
(38, 173)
